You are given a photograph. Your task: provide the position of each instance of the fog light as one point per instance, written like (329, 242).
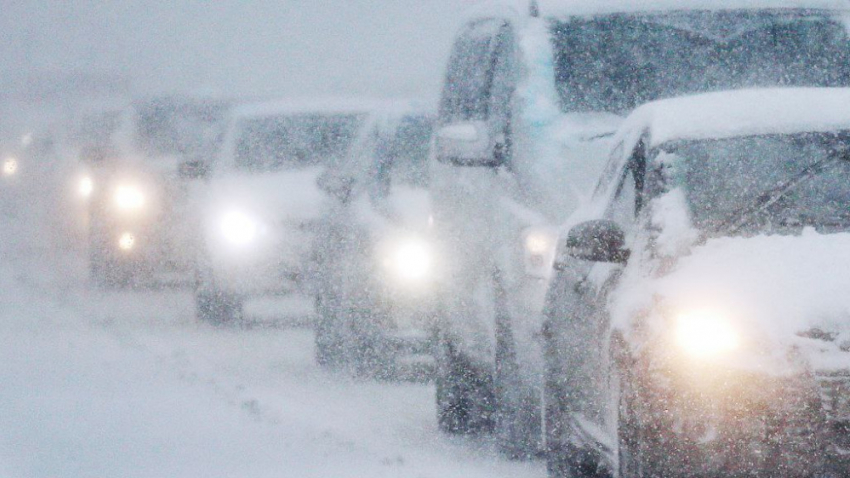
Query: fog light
(85, 186)
(10, 167)
(127, 241)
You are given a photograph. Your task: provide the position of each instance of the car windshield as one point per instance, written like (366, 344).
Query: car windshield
(402, 158)
(287, 142)
(765, 183)
(615, 63)
(173, 127)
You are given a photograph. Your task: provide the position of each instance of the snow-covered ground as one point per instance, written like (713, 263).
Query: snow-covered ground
(124, 384)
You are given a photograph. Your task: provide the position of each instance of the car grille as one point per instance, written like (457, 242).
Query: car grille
(835, 394)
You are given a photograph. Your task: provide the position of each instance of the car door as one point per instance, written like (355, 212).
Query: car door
(578, 325)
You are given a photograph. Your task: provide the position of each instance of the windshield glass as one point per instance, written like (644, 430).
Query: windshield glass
(765, 182)
(176, 127)
(286, 142)
(618, 62)
(402, 158)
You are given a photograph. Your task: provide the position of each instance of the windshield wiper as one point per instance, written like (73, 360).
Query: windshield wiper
(739, 218)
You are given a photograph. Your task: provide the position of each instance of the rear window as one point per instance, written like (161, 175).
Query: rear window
(618, 62)
(286, 142)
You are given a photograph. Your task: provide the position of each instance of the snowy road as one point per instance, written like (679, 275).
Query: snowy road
(120, 384)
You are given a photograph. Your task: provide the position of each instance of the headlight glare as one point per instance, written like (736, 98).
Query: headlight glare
(539, 243)
(703, 334)
(85, 186)
(10, 166)
(127, 241)
(411, 260)
(239, 228)
(129, 197)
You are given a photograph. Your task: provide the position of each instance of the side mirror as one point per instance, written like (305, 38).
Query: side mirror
(598, 241)
(466, 143)
(336, 185)
(194, 169)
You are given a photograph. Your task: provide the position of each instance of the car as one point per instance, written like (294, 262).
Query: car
(261, 206)
(530, 101)
(137, 186)
(375, 261)
(695, 326)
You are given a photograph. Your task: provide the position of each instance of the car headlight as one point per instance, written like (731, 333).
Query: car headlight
(10, 166)
(410, 260)
(85, 186)
(239, 228)
(129, 197)
(127, 241)
(704, 334)
(539, 242)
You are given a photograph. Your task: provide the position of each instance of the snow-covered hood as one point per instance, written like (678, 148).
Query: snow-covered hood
(286, 196)
(785, 292)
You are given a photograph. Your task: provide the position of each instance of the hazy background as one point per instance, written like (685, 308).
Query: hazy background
(242, 48)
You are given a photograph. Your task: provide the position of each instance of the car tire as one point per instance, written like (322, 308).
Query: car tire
(328, 342)
(218, 307)
(464, 394)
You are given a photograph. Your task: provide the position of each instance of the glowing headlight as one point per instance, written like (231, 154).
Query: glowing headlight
(539, 243)
(703, 334)
(239, 228)
(411, 260)
(10, 166)
(129, 198)
(127, 241)
(85, 186)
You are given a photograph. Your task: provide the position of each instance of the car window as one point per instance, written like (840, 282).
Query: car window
(402, 156)
(615, 63)
(628, 197)
(286, 142)
(610, 173)
(469, 76)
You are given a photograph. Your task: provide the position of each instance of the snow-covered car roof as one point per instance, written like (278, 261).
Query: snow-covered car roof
(728, 114)
(326, 105)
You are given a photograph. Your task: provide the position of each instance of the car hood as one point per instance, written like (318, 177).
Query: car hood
(783, 291)
(286, 196)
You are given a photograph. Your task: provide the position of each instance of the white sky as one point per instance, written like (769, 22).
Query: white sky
(254, 48)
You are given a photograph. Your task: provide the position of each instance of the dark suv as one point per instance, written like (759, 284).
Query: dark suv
(700, 326)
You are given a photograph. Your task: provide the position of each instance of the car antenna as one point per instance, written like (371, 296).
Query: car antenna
(534, 9)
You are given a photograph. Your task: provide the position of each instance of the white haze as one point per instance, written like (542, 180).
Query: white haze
(237, 48)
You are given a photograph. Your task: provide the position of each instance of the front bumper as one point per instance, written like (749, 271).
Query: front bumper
(749, 425)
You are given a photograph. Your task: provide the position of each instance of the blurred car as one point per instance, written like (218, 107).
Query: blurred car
(261, 208)
(136, 178)
(375, 259)
(528, 107)
(700, 325)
